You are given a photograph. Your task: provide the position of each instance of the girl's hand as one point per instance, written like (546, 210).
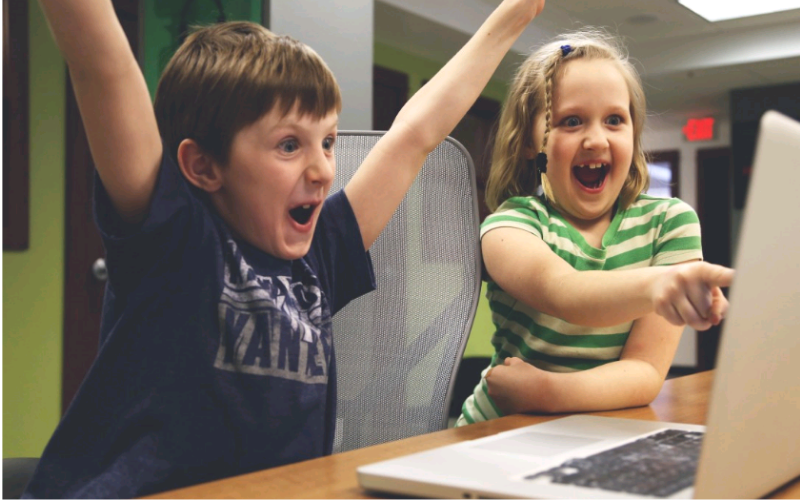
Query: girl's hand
(516, 386)
(690, 294)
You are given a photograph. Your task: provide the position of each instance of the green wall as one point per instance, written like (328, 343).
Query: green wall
(419, 69)
(162, 21)
(479, 344)
(33, 280)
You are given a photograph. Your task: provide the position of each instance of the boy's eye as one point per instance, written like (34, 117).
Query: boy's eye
(328, 143)
(571, 121)
(288, 146)
(615, 120)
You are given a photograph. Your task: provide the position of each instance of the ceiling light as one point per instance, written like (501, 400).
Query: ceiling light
(720, 11)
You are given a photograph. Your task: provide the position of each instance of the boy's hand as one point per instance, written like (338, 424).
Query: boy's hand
(690, 294)
(516, 386)
(536, 7)
(430, 115)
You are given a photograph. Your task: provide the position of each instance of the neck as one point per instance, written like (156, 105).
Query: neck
(591, 230)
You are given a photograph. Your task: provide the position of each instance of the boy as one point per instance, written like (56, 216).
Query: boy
(225, 266)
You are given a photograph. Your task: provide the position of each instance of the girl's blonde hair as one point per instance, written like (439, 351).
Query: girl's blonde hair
(531, 93)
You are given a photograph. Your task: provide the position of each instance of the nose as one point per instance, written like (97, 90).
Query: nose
(322, 167)
(596, 138)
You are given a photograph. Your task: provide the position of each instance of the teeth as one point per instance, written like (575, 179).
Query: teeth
(593, 165)
(306, 207)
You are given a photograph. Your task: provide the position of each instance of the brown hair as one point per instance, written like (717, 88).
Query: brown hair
(226, 76)
(531, 94)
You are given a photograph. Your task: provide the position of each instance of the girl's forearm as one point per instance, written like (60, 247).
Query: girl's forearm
(527, 269)
(621, 384)
(602, 298)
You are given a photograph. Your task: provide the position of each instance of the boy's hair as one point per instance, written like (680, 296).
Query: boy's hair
(531, 94)
(226, 76)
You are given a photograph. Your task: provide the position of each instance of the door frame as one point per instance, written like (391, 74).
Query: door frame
(83, 293)
(708, 341)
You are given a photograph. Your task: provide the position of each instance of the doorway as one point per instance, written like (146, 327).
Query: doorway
(476, 133)
(389, 94)
(84, 281)
(714, 207)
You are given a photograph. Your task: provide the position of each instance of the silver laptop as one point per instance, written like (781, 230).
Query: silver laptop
(751, 443)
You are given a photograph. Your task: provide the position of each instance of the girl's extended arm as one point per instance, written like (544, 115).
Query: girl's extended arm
(113, 100)
(528, 270)
(634, 380)
(430, 115)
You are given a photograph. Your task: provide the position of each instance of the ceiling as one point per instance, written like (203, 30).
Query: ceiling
(688, 64)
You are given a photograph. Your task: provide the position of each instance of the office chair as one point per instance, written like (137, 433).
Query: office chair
(399, 347)
(17, 472)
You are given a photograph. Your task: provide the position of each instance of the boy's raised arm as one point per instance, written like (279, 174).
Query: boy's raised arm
(113, 100)
(430, 115)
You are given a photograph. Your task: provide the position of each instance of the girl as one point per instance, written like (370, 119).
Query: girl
(571, 337)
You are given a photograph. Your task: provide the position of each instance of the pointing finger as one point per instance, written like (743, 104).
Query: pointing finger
(718, 275)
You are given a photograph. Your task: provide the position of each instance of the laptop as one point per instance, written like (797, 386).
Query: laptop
(750, 444)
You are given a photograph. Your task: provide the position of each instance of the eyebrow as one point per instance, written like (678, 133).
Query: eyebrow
(286, 122)
(577, 110)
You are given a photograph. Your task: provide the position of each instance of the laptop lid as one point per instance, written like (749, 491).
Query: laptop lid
(752, 442)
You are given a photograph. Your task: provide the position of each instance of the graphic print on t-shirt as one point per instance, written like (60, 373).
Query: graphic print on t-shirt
(271, 325)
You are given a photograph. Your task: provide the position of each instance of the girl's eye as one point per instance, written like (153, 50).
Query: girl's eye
(328, 143)
(615, 120)
(571, 121)
(289, 146)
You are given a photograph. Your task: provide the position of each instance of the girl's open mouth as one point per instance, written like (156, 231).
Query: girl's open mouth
(591, 175)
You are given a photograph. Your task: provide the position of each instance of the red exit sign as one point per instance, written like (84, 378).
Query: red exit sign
(699, 129)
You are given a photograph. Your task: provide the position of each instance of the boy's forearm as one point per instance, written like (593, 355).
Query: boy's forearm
(113, 99)
(621, 384)
(430, 115)
(433, 112)
(87, 33)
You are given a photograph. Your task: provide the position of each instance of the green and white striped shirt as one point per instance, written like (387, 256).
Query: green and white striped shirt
(651, 232)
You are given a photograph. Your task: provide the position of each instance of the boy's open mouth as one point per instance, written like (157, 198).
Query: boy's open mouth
(591, 175)
(302, 213)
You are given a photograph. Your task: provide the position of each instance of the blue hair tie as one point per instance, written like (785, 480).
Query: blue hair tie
(565, 50)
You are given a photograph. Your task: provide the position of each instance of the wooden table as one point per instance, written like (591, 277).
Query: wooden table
(683, 400)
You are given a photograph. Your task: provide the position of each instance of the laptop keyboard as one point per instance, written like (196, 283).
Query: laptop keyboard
(658, 465)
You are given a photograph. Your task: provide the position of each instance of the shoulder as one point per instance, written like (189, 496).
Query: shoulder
(173, 200)
(655, 210)
(530, 203)
(337, 224)
(673, 224)
(646, 200)
(337, 254)
(523, 212)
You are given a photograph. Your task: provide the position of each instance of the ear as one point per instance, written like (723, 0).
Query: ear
(529, 152)
(198, 167)
(529, 149)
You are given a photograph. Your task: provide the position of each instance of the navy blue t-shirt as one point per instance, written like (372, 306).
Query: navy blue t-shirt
(215, 358)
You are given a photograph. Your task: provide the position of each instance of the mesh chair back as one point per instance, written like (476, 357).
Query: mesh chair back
(398, 348)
